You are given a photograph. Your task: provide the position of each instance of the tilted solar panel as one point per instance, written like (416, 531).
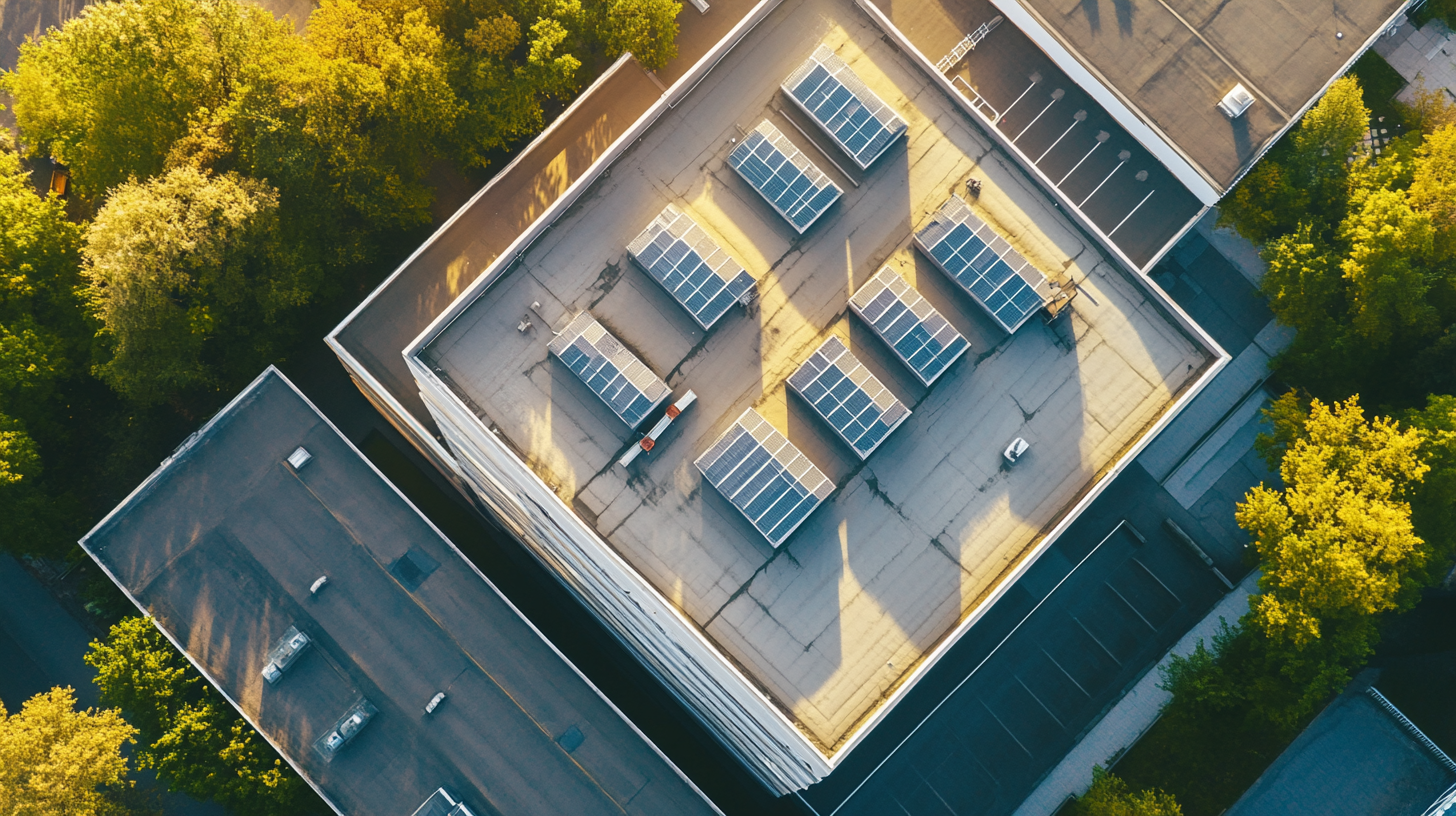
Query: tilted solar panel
(983, 264)
(785, 177)
(690, 265)
(919, 336)
(615, 374)
(852, 400)
(839, 101)
(762, 474)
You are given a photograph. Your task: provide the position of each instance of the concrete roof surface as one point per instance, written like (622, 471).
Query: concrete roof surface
(1355, 759)
(402, 307)
(1173, 60)
(913, 540)
(221, 546)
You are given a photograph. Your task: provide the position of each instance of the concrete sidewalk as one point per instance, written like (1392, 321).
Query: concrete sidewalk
(1133, 715)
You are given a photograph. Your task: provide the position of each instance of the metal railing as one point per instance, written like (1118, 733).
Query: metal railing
(978, 102)
(1411, 728)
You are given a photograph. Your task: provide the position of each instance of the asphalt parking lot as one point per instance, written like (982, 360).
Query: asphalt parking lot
(1096, 611)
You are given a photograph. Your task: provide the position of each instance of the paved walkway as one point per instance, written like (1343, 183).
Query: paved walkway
(1422, 55)
(1133, 715)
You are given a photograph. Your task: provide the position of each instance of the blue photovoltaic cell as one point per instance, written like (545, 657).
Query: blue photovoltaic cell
(847, 396)
(762, 474)
(983, 264)
(612, 372)
(783, 176)
(920, 337)
(690, 265)
(840, 103)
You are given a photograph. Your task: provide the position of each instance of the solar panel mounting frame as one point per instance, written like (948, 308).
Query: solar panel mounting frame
(754, 458)
(836, 70)
(842, 391)
(866, 303)
(681, 229)
(651, 390)
(945, 223)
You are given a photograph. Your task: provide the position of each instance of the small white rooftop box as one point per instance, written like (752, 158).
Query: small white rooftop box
(1236, 101)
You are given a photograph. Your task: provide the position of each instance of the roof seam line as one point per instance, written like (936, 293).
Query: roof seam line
(1248, 83)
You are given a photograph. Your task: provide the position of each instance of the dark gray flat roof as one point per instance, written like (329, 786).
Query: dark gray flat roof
(1173, 60)
(221, 545)
(1356, 758)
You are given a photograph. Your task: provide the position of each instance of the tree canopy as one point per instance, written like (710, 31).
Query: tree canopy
(180, 271)
(1110, 796)
(189, 734)
(44, 345)
(1360, 249)
(57, 761)
(1337, 543)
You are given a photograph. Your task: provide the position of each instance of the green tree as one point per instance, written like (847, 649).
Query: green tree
(174, 263)
(44, 345)
(1433, 507)
(1303, 179)
(56, 761)
(1389, 268)
(1336, 544)
(1110, 796)
(195, 741)
(647, 28)
(111, 91)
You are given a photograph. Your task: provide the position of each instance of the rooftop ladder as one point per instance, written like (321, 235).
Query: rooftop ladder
(966, 45)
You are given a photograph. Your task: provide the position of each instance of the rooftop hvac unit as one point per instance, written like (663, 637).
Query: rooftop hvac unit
(284, 652)
(1236, 101)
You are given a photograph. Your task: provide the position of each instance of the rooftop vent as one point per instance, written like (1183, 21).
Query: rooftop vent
(1235, 102)
(299, 458)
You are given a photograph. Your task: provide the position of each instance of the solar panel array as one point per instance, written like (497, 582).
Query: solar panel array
(835, 97)
(615, 374)
(783, 176)
(762, 474)
(920, 337)
(852, 400)
(983, 264)
(678, 254)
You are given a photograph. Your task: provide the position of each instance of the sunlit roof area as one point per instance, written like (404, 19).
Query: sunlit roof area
(827, 613)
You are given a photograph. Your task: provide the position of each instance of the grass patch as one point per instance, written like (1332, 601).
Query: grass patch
(1379, 82)
(1204, 766)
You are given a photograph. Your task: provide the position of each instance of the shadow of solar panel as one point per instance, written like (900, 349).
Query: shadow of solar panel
(922, 339)
(844, 107)
(860, 409)
(983, 264)
(783, 175)
(762, 474)
(679, 255)
(612, 372)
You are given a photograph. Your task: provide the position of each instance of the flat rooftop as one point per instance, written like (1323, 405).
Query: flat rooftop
(830, 623)
(1171, 61)
(221, 545)
(1113, 179)
(1356, 758)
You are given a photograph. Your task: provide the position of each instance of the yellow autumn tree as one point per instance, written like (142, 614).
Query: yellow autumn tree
(1336, 544)
(57, 761)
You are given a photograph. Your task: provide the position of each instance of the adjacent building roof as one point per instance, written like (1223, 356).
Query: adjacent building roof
(1360, 756)
(1170, 62)
(221, 546)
